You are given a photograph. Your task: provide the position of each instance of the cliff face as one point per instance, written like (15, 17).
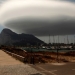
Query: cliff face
(8, 37)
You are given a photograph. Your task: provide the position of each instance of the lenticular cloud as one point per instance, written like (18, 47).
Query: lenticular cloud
(39, 17)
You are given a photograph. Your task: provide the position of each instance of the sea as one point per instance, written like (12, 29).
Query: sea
(43, 50)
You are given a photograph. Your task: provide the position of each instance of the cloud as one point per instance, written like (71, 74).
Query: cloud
(69, 0)
(39, 17)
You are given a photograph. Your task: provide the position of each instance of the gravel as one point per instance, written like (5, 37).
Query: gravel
(18, 70)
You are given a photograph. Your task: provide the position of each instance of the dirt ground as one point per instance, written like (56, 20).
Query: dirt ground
(44, 57)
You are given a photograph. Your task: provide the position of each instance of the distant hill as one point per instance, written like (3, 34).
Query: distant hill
(8, 37)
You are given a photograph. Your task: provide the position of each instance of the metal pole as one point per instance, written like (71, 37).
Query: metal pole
(57, 55)
(58, 49)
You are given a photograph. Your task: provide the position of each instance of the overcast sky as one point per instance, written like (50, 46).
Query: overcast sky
(39, 17)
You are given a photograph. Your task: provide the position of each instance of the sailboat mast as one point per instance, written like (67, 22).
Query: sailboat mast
(49, 39)
(67, 40)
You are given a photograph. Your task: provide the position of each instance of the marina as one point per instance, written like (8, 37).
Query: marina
(45, 50)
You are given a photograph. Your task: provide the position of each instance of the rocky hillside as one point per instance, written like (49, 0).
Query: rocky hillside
(8, 37)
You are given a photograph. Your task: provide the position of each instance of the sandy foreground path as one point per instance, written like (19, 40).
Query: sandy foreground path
(11, 66)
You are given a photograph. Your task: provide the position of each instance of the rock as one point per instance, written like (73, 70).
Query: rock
(8, 37)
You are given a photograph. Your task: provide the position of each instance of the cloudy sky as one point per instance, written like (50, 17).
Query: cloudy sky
(40, 18)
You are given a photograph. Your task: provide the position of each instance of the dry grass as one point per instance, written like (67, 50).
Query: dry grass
(44, 57)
